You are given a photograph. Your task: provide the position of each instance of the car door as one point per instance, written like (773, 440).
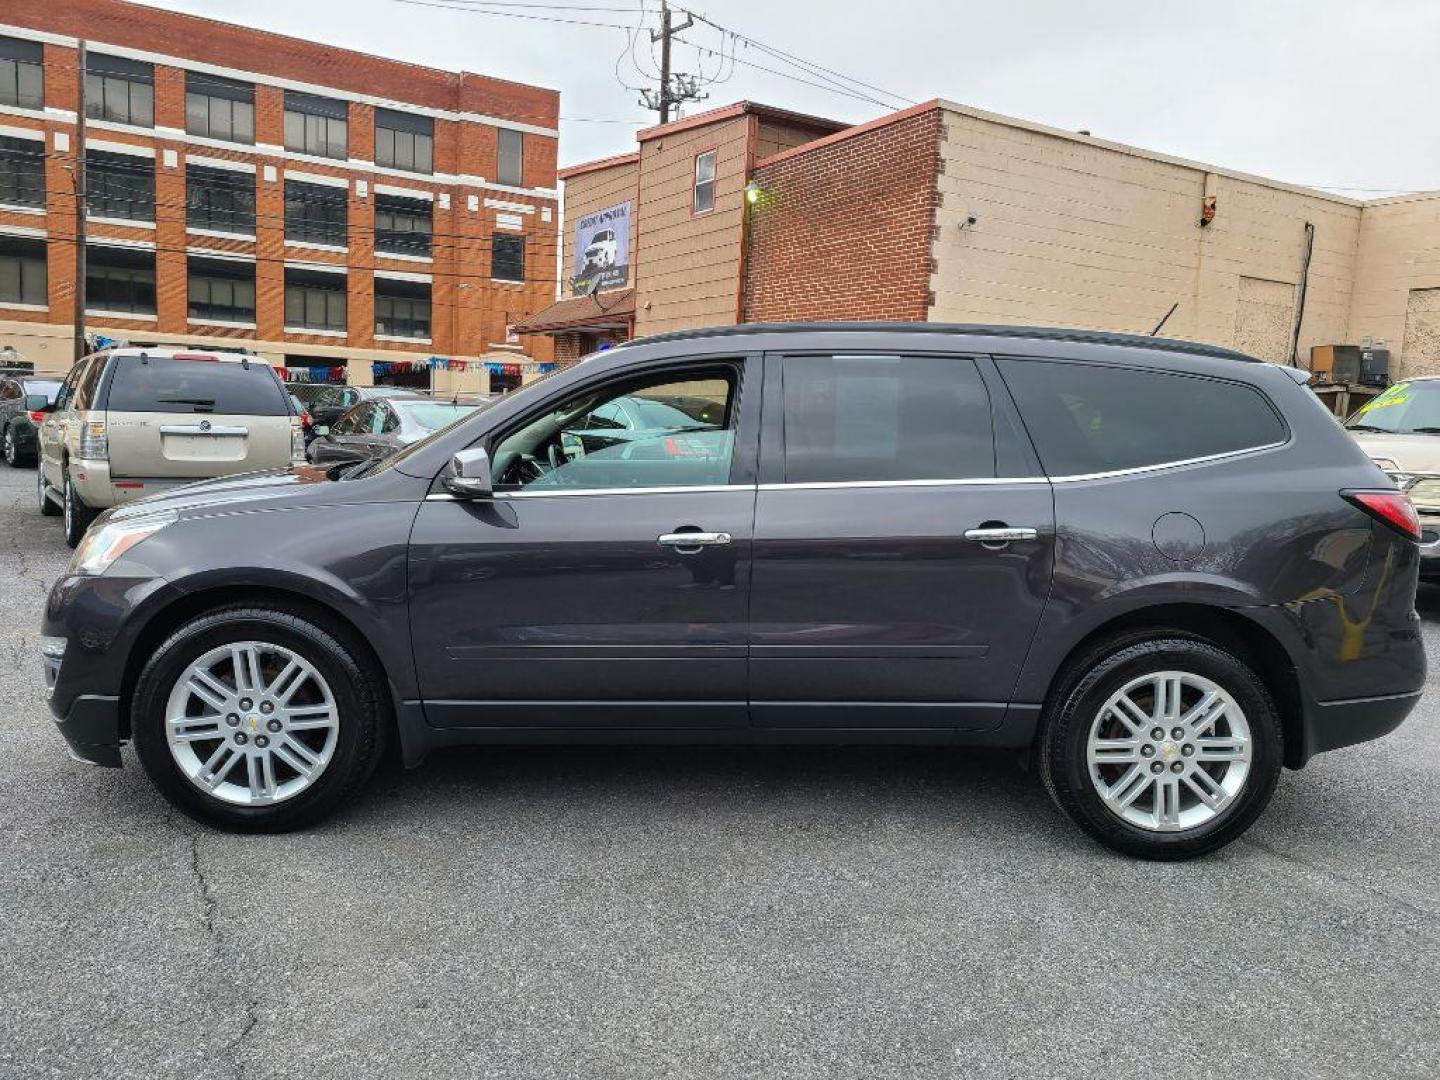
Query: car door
(602, 589)
(903, 544)
(346, 441)
(55, 429)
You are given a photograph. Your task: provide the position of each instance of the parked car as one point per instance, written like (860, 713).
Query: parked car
(1158, 568)
(307, 422)
(306, 393)
(381, 426)
(329, 406)
(629, 418)
(23, 401)
(129, 422)
(1400, 430)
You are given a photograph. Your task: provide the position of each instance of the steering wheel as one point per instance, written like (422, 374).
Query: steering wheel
(553, 453)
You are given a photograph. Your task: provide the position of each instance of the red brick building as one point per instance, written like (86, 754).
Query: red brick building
(326, 207)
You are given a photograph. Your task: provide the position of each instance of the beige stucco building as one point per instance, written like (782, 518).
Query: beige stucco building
(947, 213)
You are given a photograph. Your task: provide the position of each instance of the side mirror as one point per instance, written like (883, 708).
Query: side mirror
(38, 403)
(320, 429)
(470, 475)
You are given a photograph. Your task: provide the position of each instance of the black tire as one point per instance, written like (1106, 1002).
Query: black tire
(1088, 685)
(359, 697)
(42, 495)
(78, 516)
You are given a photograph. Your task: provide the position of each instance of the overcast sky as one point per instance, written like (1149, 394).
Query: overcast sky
(1334, 93)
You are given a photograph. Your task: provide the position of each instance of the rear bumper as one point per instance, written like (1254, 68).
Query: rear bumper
(100, 490)
(1330, 725)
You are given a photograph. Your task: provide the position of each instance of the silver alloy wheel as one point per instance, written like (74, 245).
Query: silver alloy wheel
(1170, 750)
(66, 508)
(11, 453)
(252, 723)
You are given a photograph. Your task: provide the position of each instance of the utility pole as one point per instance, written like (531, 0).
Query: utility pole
(684, 89)
(80, 193)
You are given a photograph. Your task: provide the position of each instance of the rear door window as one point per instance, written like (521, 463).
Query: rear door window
(1094, 418)
(885, 418)
(162, 385)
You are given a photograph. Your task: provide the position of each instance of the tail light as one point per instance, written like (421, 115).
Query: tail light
(94, 442)
(37, 417)
(1393, 508)
(297, 441)
(306, 421)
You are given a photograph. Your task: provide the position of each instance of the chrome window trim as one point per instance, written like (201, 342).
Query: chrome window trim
(979, 481)
(1205, 460)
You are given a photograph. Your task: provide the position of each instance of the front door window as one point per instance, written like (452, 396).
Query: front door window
(668, 431)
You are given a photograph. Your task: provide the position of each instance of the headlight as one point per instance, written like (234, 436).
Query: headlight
(104, 545)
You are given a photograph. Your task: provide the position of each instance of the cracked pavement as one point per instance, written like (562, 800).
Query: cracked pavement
(699, 912)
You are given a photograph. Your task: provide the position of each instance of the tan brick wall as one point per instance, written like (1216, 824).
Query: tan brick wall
(1074, 232)
(687, 265)
(1398, 273)
(591, 191)
(843, 231)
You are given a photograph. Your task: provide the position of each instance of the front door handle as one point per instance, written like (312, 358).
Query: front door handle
(1001, 534)
(693, 540)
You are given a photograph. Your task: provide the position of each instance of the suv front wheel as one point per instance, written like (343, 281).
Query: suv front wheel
(1165, 748)
(257, 719)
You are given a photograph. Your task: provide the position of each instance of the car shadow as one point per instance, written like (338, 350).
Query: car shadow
(790, 785)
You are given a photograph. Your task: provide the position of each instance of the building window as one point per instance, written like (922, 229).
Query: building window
(402, 226)
(119, 186)
(510, 160)
(704, 198)
(507, 257)
(22, 172)
(403, 141)
(219, 108)
(314, 300)
(120, 280)
(119, 90)
(222, 290)
(221, 200)
(315, 213)
(315, 125)
(402, 308)
(22, 79)
(22, 271)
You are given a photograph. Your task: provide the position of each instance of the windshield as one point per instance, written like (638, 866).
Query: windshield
(431, 415)
(1405, 408)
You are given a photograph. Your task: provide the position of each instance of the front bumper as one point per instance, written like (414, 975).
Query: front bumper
(1429, 545)
(99, 619)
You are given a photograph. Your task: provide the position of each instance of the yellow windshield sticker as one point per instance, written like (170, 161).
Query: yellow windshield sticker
(1398, 394)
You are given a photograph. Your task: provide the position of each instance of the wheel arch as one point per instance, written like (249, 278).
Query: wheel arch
(192, 605)
(1227, 628)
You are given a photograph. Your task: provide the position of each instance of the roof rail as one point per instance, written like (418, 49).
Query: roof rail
(1035, 333)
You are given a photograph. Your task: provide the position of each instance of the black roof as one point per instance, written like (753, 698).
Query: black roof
(1033, 333)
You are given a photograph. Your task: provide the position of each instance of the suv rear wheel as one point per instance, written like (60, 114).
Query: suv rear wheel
(78, 516)
(42, 494)
(1165, 748)
(12, 448)
(257, 720)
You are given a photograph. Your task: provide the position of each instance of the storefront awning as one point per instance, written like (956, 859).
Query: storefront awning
(604, 311)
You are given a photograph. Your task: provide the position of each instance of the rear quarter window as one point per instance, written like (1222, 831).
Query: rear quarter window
(1093, 418)
(162, 385)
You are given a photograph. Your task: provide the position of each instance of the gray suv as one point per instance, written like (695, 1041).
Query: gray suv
(1160, 570)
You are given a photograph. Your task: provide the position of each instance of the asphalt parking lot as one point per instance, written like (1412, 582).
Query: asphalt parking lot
(700, 913)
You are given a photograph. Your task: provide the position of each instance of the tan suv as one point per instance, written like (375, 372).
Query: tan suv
(1400, 430)
(130, 422)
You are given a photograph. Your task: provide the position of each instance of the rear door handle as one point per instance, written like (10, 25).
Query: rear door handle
(1001, 534)
(684, 540)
